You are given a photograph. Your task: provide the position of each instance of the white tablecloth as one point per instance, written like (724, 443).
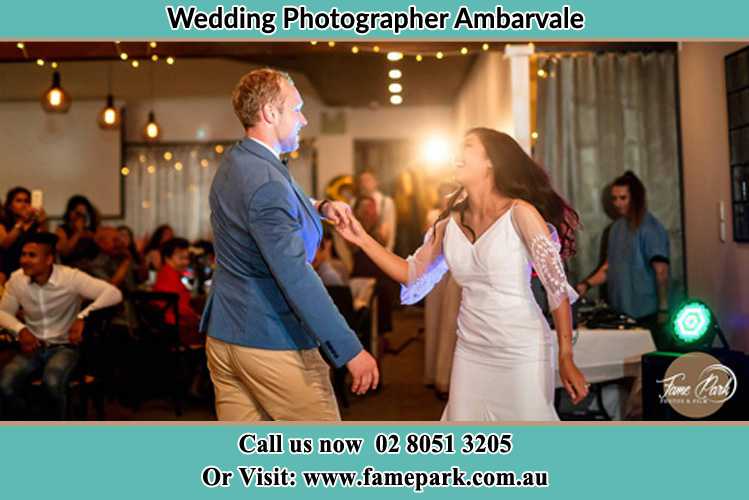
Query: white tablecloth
(610, 355)
(604, 355)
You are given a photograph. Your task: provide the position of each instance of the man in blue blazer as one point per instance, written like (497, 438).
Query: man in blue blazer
(268, 313)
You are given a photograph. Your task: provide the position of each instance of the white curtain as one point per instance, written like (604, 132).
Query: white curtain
(598, 116)
(169, 184)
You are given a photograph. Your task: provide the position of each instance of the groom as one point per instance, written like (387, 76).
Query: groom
(268, 312)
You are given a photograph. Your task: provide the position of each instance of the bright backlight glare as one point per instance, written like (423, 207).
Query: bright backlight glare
(436, 150)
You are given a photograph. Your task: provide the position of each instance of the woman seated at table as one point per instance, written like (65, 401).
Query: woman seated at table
(175, 256)
(152, 252)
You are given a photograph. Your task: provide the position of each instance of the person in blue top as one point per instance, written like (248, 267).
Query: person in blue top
(268, 313)
(637, 268)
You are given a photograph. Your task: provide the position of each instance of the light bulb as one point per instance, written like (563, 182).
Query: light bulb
(396, 99)
(395, 56)
(395, 88)
(152, 131)
(109, 116)
(395, 74)
(55, 99)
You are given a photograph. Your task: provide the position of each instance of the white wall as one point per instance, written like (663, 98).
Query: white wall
(418, 123)
(192, 103)
(717, 272)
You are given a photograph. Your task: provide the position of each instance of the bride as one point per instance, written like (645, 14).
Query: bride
(504, 220)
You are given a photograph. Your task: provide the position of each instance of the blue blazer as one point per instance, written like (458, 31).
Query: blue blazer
(265, 294)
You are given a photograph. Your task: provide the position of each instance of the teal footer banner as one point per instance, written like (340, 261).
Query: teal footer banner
(363, 461)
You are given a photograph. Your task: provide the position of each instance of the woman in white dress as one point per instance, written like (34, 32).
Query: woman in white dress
(496, 228)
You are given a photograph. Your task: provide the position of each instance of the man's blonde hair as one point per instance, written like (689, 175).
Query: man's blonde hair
(256, 89)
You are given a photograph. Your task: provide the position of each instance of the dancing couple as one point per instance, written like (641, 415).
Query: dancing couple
(268, 313)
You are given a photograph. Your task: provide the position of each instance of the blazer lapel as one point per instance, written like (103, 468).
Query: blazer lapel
(259, 150)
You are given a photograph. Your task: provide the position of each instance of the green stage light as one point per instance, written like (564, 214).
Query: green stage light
(693, 326)
(692, 322)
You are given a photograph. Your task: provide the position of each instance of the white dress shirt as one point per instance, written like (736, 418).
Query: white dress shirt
(51, 309)
(275, 153)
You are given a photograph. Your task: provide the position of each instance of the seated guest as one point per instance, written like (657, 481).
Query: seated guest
(175, 255)
(152, 252)
(138, 263)
(50, 296)
(637, 264)
(332, 271)
(76, 233)
(365, 210)
(368, 186)
(112, 262)
(19, 222)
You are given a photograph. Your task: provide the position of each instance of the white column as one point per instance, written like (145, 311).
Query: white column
(520, 76)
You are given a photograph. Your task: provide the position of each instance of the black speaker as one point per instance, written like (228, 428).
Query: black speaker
(654, 366)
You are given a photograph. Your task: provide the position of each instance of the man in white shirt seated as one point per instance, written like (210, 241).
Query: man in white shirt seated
(50, 296)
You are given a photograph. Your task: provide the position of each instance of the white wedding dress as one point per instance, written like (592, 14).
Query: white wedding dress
(504, 362)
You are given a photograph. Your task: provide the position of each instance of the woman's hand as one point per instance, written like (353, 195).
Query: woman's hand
(572, 379)
(353, 232)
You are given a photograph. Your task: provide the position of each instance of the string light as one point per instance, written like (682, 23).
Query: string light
(168, 155)
(396, 99)
(151, 169)
(178, 166)
(204, 163)
(170, 60)
(355, 49)
(20, 45)
(464, 50)
(125, 171)
(542, 73)
(376, 48)
(152, 45)
(485, 46)
(534, 135)
(40, 62)
(395, 88)
(440, 55)
(395, 74)
(123, 56)
(219, 148)
(54, 65)
(331, 44)
(313, 42)
(419, 58)
(135, 63)
(395, 56)
(155, 57)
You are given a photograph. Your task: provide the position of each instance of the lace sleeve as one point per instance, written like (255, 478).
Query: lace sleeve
(542, 242)
(426, 266)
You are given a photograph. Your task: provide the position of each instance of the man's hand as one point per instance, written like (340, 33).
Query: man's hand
(75, 334)
(363, 369)
(29, 342)
(338, 212)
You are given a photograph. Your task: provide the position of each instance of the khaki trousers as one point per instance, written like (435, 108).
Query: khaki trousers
(260, 384)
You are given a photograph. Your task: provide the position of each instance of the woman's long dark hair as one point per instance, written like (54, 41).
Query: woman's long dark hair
(516, 175)
(9, 218)
(132, 248)
(155, 242)
(93, 214)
